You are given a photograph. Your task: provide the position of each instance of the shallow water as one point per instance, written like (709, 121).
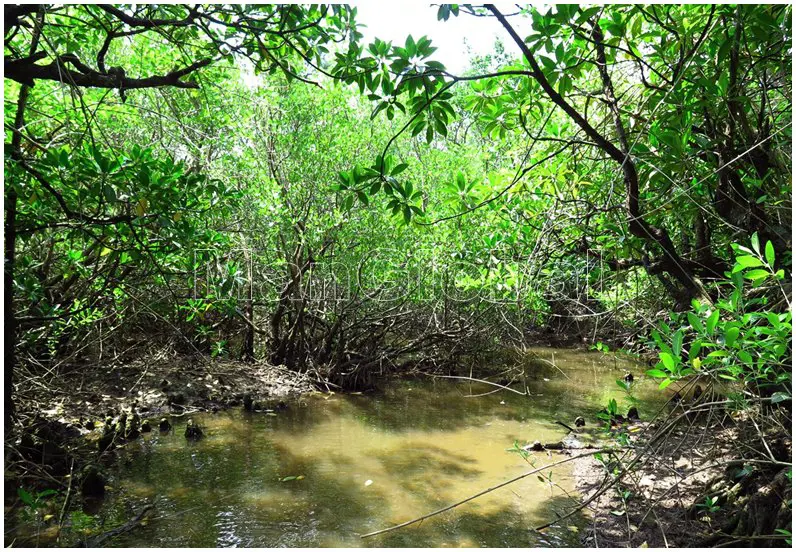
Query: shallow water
(366, 462)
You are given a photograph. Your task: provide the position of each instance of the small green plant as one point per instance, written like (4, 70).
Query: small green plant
(710, 505)
(610, 412)
(600, 346)
(219, 349)
(624, 495)
(35, 504)
(196, 308)
(83, 523)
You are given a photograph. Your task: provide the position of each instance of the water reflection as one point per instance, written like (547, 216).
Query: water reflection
(334, 467)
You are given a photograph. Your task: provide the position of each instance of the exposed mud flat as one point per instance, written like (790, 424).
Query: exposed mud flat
(164, 383)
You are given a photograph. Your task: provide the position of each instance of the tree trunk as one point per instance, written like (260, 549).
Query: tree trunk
(672, 263)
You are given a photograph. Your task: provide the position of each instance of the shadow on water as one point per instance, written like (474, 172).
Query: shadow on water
(577, 383)
(501, 529)
(432, 405)
(331, 468)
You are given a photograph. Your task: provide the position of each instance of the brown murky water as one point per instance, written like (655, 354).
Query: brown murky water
(333, 467)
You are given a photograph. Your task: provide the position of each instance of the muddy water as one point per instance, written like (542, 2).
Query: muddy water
(333, 467)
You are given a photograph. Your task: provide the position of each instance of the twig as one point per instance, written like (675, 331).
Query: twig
(68, 495)
(489, 490)
(553, 364)
(482, 381)
(567, 427)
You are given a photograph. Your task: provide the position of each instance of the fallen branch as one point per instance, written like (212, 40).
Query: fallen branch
(489, 490)
(96, 540)
(565, 426)
(481, 381)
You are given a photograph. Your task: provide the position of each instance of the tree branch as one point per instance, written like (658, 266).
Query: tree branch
(25, 71)
(149, 23)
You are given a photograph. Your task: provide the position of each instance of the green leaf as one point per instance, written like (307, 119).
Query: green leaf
(718, 354)
(143, 177)
(696, 348)
(713, 319)
(655, 373)
(746, 261)
(399, 169)
(665, 383)
(730, 336)
(668, 361)
(696, 322)
(659, 341)
(757, 274)
(677, 343)
(460, 181)
(26, 497)
(756, 243)
(109, 193)
(745, 357)
(770, 258)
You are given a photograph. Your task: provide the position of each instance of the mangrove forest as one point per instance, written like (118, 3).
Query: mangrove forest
(397, 275)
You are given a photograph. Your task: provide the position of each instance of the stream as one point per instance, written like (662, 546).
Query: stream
(334, 466)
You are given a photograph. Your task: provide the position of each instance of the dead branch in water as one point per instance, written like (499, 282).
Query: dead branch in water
(489, 490)
(96, 540)
(481, 381)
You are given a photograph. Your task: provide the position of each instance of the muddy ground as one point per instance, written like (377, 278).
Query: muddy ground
(688, 490)
(161, 384)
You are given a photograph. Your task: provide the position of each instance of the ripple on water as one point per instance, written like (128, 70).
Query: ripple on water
(227, 525)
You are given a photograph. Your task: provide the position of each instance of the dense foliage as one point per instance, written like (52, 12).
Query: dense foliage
(256, 181)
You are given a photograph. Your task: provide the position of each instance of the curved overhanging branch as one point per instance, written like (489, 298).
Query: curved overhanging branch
(637, 225)
(67, 211)
(134, 21)
(118, 22)
(25, 71)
